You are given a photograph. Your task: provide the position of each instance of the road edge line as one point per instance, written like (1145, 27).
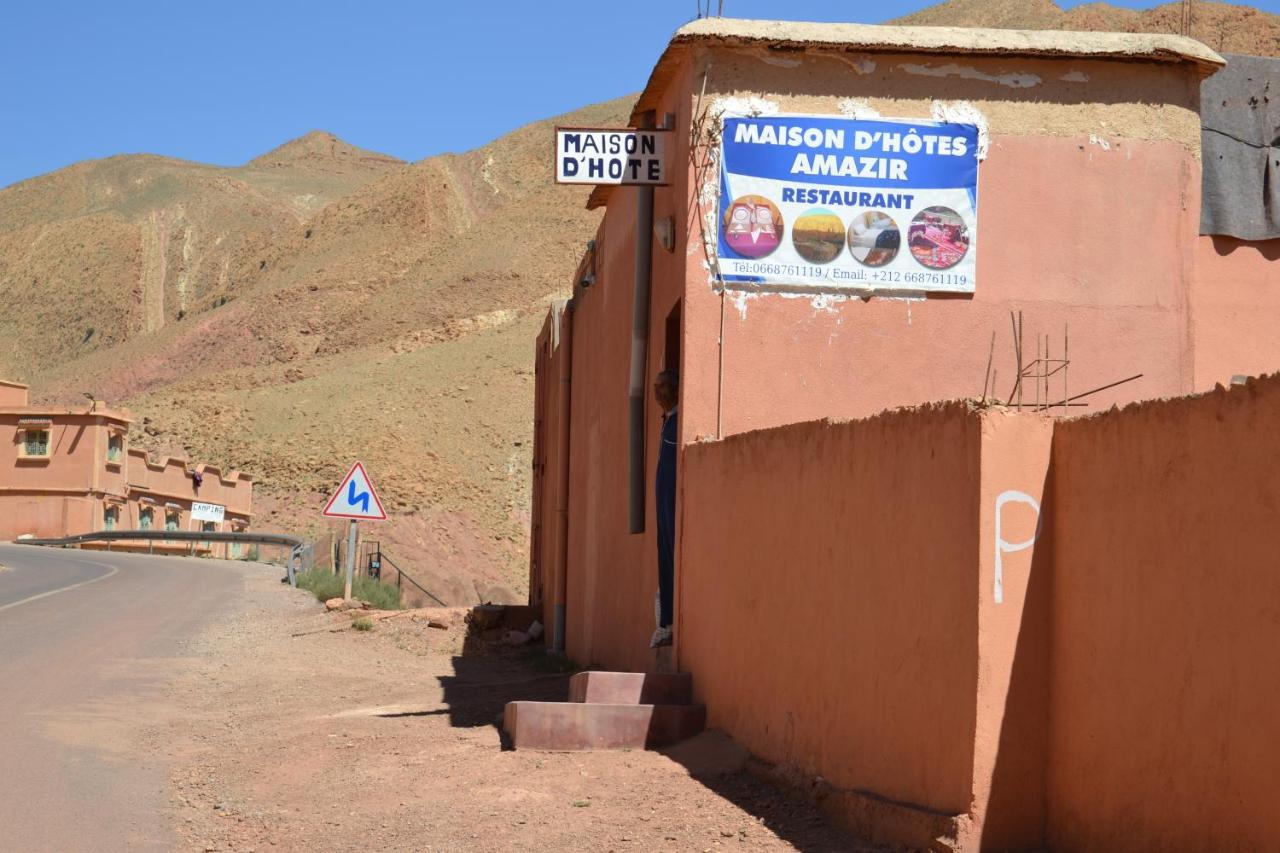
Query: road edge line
(37, 597)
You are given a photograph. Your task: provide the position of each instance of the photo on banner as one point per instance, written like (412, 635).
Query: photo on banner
(828, 203)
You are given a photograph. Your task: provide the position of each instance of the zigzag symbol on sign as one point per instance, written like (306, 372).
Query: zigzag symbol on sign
(356, 498)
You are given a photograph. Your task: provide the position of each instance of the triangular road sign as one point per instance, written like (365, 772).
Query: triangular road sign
(356, 498)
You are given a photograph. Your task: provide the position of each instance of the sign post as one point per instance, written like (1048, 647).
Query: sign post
(351, 557)
(354, 500)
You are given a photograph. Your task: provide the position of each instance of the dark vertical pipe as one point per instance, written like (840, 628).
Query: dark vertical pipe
(640, 346)
(562, 325)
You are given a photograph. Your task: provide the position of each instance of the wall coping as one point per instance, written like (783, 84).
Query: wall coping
(943, 41)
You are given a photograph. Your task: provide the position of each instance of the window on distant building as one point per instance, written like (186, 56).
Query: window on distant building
(209, 526)
(115, 447)
(109, 517)
(35, 443)
(171, 519)
(145, 517)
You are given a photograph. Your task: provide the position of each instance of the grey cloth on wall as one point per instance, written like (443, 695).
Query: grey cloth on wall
(1240, 142)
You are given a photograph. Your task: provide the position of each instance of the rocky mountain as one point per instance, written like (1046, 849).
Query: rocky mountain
(322, 303)
(1222, 26)
(317, 305)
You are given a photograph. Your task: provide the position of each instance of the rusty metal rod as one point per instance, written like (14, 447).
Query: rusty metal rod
(1096, 390)
(986, 378)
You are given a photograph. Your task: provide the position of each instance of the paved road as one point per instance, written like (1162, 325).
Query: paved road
(88, 641)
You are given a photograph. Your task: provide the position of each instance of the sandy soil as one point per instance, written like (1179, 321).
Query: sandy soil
(302, 737)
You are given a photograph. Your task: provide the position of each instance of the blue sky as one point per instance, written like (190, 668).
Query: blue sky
(225, 81)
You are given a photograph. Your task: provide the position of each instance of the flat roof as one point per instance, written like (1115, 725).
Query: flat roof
(121, 417)
(799, 35)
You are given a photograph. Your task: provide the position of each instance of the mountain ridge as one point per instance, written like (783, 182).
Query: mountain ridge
(1225, 27)
(322, 303)
(244, 313)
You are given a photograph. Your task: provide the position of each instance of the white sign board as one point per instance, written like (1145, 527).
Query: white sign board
(356, 498)
(593, 155)
(207, 512)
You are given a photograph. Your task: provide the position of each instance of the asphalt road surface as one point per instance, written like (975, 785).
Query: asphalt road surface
(88, 641)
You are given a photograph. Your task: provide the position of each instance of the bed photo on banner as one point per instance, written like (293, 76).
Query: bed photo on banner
(828, 203)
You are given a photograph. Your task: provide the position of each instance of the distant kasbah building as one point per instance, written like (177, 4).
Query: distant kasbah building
(68, 471)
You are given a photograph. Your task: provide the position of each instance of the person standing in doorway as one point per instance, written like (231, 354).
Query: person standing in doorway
(666, 391)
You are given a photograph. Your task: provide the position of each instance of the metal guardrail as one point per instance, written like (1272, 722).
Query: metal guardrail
(294, 543)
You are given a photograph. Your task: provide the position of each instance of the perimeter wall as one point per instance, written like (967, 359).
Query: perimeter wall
(1166, 625)
(1059, 632)
(828, 597)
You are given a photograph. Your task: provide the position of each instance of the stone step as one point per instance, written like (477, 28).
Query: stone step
(631, 688)
(583, 725)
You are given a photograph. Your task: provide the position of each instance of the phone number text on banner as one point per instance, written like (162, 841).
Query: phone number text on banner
(834, 203)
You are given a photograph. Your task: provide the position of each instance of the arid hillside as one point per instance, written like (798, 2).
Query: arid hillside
(1222, 26)
(317, 305)
(323, 303)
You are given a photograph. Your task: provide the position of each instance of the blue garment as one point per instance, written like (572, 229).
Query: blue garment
(665, 494)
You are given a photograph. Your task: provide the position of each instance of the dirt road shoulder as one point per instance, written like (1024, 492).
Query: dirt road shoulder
(303, 737)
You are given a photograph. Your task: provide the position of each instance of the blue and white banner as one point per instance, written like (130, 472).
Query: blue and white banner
(828, 203)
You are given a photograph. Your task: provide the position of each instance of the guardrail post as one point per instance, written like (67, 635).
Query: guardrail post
(293, 576)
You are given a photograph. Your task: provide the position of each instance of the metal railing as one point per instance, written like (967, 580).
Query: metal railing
(296, 545)
(402, 575)
(293, 543)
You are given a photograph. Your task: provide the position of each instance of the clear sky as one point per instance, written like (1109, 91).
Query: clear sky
(221, 82)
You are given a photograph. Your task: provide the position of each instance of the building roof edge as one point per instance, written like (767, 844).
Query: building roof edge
(1066, 44)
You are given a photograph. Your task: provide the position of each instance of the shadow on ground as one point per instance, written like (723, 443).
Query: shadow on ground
(488, 674)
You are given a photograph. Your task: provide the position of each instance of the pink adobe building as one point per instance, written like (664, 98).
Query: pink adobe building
(836, 552)
(69, 471)
(1089, 217)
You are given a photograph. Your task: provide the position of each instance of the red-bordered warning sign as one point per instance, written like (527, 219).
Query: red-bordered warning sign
(356, 498)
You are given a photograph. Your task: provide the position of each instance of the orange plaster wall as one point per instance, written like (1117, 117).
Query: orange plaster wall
(604, 559)
(543, 528)
(612, 572)
(553, 348)
(1053, 244)
(827, 598)
(47, 515)
(12, 394)
(74, 455)
(1013, 652)
(1165, 637)
(1058, 239)
(1235, 309)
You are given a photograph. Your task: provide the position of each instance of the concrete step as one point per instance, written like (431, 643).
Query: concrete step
(584, 725)
(632, 688)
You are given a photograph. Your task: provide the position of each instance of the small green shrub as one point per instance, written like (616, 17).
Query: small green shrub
(325, 585)
(362, 623)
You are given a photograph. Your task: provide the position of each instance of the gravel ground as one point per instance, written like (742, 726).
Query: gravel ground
(300, 733)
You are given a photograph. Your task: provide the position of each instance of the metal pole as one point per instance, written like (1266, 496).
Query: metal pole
(351, 556)
(640, 308)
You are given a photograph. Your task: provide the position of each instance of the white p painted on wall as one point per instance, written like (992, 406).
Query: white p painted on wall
(1003, 547)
